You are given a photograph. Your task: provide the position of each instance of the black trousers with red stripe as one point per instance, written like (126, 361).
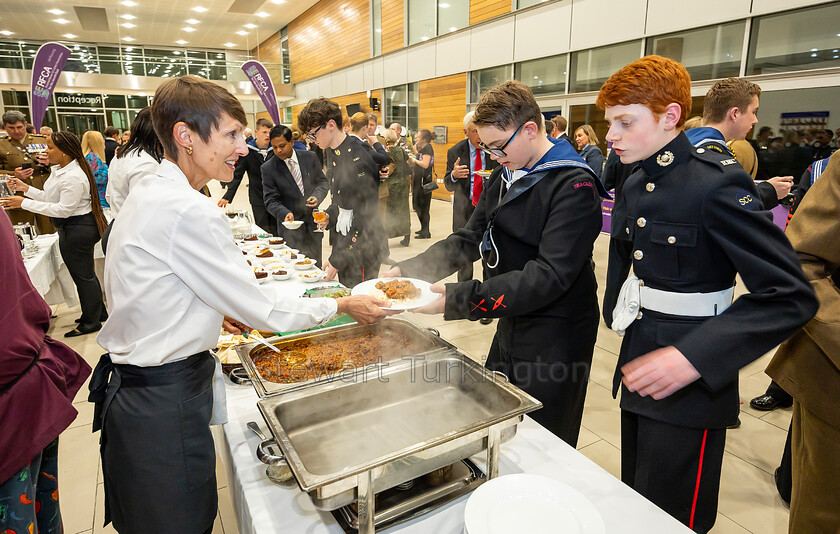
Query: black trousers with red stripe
(677, 468)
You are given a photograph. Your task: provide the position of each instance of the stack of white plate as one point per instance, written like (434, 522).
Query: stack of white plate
(530, 504)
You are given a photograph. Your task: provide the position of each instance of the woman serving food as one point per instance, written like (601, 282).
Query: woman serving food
(172, 275)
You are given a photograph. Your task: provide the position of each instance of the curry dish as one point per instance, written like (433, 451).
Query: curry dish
(398, 289)
(317, 357)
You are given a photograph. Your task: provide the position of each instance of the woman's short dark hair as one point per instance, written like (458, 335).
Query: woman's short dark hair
(196, 102)
(280, 131)
(318, 112)
(143, 137)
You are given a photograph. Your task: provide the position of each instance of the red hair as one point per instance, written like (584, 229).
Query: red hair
(653, 81)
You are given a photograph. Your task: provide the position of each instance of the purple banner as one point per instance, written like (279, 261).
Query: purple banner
(49, 61)
(261, 81)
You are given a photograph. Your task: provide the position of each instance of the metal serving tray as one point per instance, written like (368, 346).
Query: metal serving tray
(348, 440)
(428, 338)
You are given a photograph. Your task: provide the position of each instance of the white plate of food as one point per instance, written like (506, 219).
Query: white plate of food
(261, 274)
(281, 274)
(303, 264)
(292, 225)
(276, 243)
(484, 173)
(402, 293)
(310, 277)
(530, 503)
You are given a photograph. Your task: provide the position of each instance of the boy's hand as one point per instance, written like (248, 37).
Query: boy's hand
(659, 373)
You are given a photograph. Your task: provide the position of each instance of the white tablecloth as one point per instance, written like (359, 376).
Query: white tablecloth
(265, 508)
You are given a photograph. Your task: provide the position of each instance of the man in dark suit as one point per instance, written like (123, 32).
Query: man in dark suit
(560, 124)
(294, 185)
(112, 142)
(259, 151)
(462, 160)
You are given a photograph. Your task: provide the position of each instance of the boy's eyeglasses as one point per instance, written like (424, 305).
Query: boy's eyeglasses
(500, 152)
(311, 135)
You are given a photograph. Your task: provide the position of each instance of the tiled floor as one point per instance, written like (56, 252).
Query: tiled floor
(748, 499)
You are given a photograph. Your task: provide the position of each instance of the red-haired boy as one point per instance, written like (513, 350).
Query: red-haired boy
(691, 223)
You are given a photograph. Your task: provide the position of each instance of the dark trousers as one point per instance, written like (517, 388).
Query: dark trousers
(784, 474)
(422, 205)
(263, 219)
(30, 496)
(358, 272)
(558, 377)
(677, 468)
(158, 456)
(76, 238)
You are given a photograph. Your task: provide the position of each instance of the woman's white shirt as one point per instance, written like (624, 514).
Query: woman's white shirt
(173, 269)
(66, 193)
(123, 173)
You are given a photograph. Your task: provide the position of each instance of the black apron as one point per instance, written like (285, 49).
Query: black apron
(158, 456)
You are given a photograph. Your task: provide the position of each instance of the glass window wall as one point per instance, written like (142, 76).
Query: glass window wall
(707, 53)
(797, 40)
(547, 75)
(481, 80)
(591, 68)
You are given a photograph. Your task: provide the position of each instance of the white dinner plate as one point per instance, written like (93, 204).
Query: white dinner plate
(368, 287)
(310, 277)
(292, 225)
(532, 504)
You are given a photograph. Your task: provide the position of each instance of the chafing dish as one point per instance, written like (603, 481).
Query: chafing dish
(422, 337)
(346, 440)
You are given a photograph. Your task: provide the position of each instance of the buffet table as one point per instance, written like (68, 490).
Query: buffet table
(49, 274)
(264, 507)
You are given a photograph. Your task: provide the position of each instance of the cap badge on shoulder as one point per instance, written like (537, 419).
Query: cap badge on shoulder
(664, 159)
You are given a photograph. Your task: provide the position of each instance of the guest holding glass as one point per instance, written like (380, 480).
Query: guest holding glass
(70, 199)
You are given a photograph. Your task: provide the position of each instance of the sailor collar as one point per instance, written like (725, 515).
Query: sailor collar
(668, 156)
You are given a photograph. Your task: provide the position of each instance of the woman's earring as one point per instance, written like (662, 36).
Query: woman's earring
(189, 151)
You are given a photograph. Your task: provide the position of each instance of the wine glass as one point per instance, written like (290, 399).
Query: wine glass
(319, 216)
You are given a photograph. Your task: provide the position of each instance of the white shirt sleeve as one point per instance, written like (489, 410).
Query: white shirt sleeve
(35, 193)
(208, 261)
(70, 193)
(125, 177)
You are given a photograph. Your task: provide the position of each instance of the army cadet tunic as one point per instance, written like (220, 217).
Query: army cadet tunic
(692, 221)
(14, 154)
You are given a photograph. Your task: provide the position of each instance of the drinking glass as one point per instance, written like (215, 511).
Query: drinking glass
(319, 216)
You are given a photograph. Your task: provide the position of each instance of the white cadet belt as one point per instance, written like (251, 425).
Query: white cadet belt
(634, 296)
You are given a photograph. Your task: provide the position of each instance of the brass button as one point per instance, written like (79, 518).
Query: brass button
(701, 150)
(638, 254)
(639, 316)
(641, 222)
(672, 239)
(650, 187)
(627, 231)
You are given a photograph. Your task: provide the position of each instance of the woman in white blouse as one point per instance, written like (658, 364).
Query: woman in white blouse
(71, 200)
(172, 275)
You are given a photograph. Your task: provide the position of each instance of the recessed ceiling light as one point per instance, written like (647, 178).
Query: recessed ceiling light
(56, 11)
(278, 2)
(241, 32)
(128, 16)
(261, 14)
(6, 32)
(70, 36)
(200, 9)
(452, 28)
(128, 3)
(188, 29)
(250, 26)
(61, 21)
(128, 25)
(128, 39)
(181, 42)
(192, 21)
(129, 49)
(229, 45)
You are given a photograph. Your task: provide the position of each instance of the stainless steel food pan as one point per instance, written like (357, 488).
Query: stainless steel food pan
(425, 338)
(417, 415)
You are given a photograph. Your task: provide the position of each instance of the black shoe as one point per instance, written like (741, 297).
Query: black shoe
(405, 241)
(736, 425)
(102, 318)
(485, 320)
(424, 236)
(765, 403)
(79, 331)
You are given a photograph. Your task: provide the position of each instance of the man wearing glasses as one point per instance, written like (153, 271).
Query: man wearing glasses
(535, 222)
(359, 243)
